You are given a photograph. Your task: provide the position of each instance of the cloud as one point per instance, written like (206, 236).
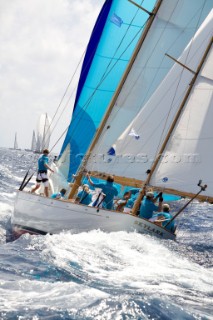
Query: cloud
(41, 43)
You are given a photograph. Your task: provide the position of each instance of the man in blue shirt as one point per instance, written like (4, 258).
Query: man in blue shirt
(162, 218)
(148, 205)
(42, 173)
(108, 189)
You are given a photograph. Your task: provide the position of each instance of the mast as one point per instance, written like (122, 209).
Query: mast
(141, 194)
(112, 103)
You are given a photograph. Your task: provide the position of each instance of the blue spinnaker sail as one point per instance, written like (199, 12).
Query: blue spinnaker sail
(113, 40)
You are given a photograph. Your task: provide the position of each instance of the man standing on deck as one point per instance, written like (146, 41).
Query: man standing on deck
(42, 173)
(108, 189)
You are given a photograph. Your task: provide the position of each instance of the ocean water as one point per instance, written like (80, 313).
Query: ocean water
(99, 275)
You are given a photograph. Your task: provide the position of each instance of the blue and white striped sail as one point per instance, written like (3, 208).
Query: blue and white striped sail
(174, 25)
(113, 40)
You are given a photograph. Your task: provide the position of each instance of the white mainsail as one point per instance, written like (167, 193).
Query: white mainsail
(189, 152)
(174, 25)
(190, 143)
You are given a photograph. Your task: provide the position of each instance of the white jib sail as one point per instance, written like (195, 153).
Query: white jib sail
(134, 154)
(174, 25)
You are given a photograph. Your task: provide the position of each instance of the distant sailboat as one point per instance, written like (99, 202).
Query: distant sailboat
(15, 142)
(43, 133)
(15, 146)
(33, 143)
(145, 137)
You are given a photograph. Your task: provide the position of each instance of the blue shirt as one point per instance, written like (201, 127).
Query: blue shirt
(130, 202)
(41, 161)
(110, 191)
(147, 208)
(85, 197)
(167, 216)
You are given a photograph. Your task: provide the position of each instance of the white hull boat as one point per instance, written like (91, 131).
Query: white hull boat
(39, 215)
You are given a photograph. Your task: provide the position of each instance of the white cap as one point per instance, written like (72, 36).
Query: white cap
(150, 194)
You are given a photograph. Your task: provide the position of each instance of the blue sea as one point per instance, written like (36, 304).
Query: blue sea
(99, 275)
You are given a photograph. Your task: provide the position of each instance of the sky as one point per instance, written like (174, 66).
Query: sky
(41, 45)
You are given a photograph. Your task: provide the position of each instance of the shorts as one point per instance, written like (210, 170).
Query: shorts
(42, 177)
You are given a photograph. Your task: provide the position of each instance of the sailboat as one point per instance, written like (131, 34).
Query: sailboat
(164, 136)
(15, 146)
(33, 143)
(43, 134)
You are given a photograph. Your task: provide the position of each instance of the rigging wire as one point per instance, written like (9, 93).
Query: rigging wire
(65, 106)
(59, 138)
(63, 97)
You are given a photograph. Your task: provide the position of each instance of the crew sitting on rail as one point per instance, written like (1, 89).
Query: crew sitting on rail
(162, 218)
(148, 206)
